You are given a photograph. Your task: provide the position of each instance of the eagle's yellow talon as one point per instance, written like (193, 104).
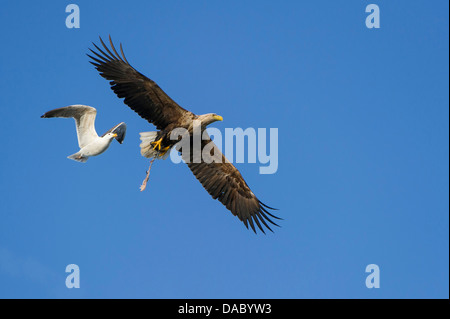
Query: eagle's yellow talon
(157, 144)
(164, 150)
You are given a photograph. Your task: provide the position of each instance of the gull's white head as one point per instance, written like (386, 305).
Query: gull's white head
(110, 135)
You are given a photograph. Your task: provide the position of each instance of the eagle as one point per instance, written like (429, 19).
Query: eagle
(220, 178)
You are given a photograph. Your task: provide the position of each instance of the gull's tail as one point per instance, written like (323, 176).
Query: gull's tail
(78, 157)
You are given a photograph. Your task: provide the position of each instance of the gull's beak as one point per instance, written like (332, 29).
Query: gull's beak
(218, 118)
(115, 134)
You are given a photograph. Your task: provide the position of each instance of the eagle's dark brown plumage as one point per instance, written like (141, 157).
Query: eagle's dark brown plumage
(222, 180)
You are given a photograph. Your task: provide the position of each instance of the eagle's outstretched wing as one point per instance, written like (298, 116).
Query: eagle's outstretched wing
(224, 182)
(141, 94)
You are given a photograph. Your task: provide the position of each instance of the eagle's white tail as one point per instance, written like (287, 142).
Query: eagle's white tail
(147, 148)
(78, 157)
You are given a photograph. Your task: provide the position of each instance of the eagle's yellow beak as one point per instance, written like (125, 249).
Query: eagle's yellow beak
(218, 118)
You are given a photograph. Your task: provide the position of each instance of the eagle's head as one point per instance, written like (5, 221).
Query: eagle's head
(209, 118)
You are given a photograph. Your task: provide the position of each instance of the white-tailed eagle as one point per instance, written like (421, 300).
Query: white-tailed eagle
(222, 180)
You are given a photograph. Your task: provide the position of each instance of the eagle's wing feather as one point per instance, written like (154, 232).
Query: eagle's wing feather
(224, 182)
(84, 120)
(141, 94)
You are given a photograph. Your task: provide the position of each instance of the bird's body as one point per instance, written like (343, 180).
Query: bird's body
(89, 142)
(167, 142)
(96, 147)
(221, 179)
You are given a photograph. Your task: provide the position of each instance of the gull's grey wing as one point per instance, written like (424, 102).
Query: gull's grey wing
(84, 119)
(120, 129)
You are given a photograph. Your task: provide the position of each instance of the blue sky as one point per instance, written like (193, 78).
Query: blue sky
(363, 167)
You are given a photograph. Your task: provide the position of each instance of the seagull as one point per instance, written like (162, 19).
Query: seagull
(89, 142)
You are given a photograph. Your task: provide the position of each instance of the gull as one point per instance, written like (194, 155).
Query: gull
(89, 142)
